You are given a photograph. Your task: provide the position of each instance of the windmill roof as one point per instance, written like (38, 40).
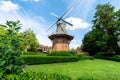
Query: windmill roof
(52, 36)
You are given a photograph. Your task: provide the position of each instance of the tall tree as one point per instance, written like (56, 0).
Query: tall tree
(30, 40)
(94, 41)
(108, 21)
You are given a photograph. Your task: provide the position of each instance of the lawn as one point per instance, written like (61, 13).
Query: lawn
(97, 69)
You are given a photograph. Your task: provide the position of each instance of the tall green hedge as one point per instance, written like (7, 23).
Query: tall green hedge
(61, 53)
(35, 59)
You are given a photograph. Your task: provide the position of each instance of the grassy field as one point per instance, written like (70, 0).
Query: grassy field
(97, 69)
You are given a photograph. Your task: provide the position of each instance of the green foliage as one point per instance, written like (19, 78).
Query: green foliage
(36, 76)
(11, 48)
(106, 28)
(108, 21)
(115, 58)
(34, 53)
(95, 41)
(36, 59)
(104, 55)
(108, 56)
(61, 53)
(2, 29)
(84, 57)
(30, 41)
(51, 76)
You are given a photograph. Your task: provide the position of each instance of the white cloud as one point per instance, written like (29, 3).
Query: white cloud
(81, 8)
(75, 43)
(78, 23)
(27, 21)
(7, 6)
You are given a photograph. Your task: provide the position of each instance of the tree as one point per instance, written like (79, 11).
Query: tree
(94, 41)
(11, 48)
(108, 21)
(30, 40)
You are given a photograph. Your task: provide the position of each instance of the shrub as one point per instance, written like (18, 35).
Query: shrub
(114, 58)
(36, 76)
(90, 57)
(11, 47)
(61, 53)
(104, 55)
(35, 59)
(34, 53)
(84, 57)
(108, 56)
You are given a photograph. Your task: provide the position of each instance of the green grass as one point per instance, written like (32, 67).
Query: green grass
(97, 69)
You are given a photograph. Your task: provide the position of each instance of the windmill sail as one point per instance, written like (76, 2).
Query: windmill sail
(60, 19)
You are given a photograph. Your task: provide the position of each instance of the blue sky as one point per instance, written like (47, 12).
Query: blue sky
(35, 14)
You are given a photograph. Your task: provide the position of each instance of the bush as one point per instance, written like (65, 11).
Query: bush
(84, 57)
(11, 47)
(114, 58)
(108, 56)
(90, 57)
(36, 76)
(31, 53)
(35, 59)
(34, 53)
(61, 53)
(104, 55)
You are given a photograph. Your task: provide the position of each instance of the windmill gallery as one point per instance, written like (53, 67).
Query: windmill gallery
(60, 39)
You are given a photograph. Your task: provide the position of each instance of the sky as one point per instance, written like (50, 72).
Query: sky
(35, 14)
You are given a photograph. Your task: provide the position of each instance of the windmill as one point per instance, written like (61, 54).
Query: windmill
(60, 39)
(60, 21)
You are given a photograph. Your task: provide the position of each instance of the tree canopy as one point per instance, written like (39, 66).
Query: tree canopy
(30, 40)
(106, 24)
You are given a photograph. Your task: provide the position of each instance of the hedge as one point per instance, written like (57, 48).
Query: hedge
(114, 58)
(33, 53)
(61, 53)
(31, 60)
(84, 57)
(108, 56)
